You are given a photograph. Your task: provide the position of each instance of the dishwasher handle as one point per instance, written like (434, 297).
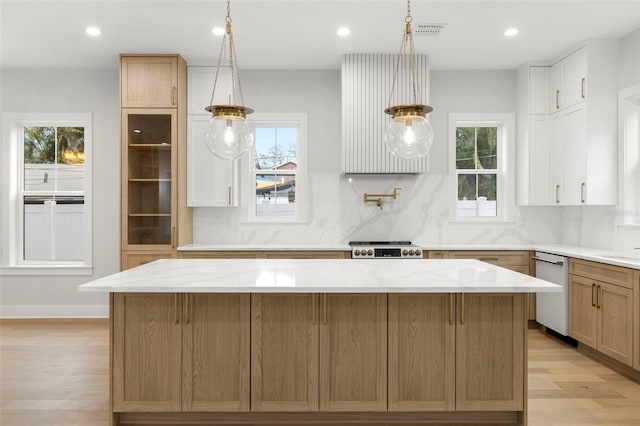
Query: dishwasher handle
(557, 262)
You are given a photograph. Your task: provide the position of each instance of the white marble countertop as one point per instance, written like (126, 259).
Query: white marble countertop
(265, 247)
(628, 260)
(319, 275)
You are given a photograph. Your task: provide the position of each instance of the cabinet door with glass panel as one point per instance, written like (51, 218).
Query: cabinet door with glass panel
(149, 174)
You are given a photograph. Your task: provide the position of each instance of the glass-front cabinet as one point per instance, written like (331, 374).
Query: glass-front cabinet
(150, 173)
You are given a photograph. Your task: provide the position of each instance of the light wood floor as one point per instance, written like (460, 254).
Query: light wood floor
(56, 373)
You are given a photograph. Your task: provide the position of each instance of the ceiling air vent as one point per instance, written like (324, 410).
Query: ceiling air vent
(428, 30)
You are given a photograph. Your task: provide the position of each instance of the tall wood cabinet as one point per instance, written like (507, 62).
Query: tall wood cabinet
(155, 219)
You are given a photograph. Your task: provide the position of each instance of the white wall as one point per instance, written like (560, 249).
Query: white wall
(94, 91)
(337, 213)
(595, 226)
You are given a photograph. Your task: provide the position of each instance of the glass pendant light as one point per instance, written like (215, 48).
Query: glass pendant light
(409, 134)
(229, 136)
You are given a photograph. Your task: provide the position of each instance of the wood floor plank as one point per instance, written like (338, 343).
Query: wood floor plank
(55, 372)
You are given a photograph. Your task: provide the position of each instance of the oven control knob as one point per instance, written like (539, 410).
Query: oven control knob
(405, 252)
(370, 252)
(418, 252)
(357, 252)
(411, 252)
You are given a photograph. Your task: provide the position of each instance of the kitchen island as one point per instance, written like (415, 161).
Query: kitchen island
(301, 342)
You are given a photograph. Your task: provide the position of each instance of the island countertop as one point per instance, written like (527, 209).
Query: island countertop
(319, 276)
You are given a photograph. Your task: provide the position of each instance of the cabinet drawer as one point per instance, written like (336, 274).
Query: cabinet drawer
(500, 258)
(602, 272)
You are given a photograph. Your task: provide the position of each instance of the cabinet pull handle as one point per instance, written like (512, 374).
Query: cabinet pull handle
(593, 299)
(582, 185)
(229, 195)
(324, 309)
(450, 308)
(557, 99)
(557, 194)
(186, 307)
(462, 310)
(582, 88)
(173, 237)
(489, 259)
(313, 308)
(599, 292)
(173, 96)
(175, 307)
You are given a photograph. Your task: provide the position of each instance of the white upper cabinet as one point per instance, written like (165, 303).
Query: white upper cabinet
(211, 181)
(567, 155)
(569, 80)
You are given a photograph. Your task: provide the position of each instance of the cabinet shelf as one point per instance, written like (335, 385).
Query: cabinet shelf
(150, 145)
(149, 214)
(148, 180)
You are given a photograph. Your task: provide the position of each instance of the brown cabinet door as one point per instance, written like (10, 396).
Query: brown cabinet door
(215, 352)
(353, 352)
(132, 259)
(615, 322)
(284, 352)
(490, 352)
(583, 319)
(146, 352)
(421, 352)
(149, 82)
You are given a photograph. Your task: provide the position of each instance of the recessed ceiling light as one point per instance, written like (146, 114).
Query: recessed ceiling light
(343, 31)
(93, 31)
(218, 31)
(510, 32)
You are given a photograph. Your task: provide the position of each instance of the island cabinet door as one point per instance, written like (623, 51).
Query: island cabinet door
(353, 352)
(490, 352)
(421, 352)
(215, 352)
(284, 352)
(146, 352)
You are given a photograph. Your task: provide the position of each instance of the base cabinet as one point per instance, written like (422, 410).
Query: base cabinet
(601, 311)
(406, 358)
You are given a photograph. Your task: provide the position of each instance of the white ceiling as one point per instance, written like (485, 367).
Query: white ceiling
(301, 34)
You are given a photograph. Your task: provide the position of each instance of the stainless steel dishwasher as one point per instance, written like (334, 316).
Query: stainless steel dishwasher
(552, 309)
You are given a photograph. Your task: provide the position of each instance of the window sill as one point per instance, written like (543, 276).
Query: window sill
(40, 270)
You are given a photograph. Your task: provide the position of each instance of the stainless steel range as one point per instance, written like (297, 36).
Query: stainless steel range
(384, 250)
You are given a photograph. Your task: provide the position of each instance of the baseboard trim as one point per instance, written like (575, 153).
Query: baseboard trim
(54, 311)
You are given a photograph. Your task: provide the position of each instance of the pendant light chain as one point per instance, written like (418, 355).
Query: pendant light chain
(409, 60)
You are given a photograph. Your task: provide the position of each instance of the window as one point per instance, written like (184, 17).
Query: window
(278, 168)
(479, 145)
(46, 193)
(629, 117)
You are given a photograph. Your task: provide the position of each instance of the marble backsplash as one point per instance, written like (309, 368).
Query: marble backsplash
(422, 213)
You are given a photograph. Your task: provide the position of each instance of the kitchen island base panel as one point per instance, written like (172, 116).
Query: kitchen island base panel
(495, 418)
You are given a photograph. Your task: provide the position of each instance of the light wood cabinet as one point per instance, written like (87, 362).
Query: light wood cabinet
(353, 352)
(215, 352)
(490, 352)
(421, 352)
(601, 313)
(180, 352)
(149, 81)
(146, 352)
(155, 219)
(284, 352)
(636, 320)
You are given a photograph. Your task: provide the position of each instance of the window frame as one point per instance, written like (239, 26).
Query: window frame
(12, 260)
(505, 181)
(301, 172)
(629, 157)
